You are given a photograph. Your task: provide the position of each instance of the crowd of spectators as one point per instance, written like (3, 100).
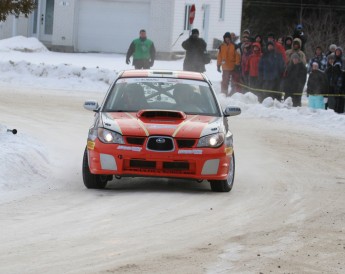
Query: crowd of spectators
(278, 67)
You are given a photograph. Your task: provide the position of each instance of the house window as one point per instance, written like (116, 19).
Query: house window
(187, 26)
(222, 9)
(49, 17)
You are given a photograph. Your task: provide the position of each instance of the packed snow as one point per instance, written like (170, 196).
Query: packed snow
(27, 62)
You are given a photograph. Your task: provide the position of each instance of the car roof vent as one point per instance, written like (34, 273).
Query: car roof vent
(162, 114)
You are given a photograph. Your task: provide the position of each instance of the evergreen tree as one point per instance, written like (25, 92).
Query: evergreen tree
(16, 7)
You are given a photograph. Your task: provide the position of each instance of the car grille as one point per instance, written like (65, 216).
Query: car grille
(135, 140)
(176, 165)
(160, 143)
(185, 143)
(142, 164)
(152, 164)
(158, 167)
(168, 146)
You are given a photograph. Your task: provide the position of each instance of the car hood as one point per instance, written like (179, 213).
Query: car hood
(166, 123)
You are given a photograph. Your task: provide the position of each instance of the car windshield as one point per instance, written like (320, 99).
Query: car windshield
(134, 94)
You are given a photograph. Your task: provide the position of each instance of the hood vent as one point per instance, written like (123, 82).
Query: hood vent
(165, 114)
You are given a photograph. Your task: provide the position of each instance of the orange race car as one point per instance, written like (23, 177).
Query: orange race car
(160, 124)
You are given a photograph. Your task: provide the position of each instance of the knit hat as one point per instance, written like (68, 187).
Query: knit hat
(297, 41)
(227, 35)
(246, 31)
(333, 46)
(331, 56)
(295, 56)
(340, 49)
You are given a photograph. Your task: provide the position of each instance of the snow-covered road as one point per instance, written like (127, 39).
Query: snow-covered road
(285, 214)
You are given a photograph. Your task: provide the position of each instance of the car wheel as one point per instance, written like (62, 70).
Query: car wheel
(94, 181)
(225, 185)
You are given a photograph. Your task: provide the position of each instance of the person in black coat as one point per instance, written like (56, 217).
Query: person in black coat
(296, 76)
(335, 77)
(195, 48)
(339, 57)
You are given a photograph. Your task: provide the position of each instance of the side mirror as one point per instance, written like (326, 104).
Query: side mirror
(91, 105)
(232, 111)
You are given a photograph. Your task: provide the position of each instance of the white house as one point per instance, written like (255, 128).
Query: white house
(111, 25)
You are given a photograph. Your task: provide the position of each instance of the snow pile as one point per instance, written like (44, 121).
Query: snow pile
(23, 163)
(21, 43)
(45, 74)
(324, 120)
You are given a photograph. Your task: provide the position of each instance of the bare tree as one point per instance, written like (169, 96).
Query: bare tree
(16, 7)
(323, 31)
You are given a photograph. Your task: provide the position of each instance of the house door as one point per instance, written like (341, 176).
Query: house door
(206, 21)
(43, 19)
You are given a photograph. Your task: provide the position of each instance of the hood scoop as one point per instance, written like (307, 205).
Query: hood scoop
(163, 114)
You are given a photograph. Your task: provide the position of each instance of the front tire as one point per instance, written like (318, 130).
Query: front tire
(93, 181)
(225, 185)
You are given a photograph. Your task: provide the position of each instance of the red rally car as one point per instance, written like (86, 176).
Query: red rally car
(160, 124)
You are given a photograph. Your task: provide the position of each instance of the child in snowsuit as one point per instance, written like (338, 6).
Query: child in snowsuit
(317, 85)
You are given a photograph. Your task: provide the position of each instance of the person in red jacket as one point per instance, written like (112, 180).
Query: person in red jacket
(246, 52)
(252, 67)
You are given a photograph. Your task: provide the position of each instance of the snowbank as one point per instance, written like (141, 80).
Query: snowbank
(23, 163)
(21, 43)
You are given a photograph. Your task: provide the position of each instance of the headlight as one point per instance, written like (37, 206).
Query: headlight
(214, 140)
(109, 137)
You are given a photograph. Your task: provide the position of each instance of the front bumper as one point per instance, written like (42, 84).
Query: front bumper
(131, 160)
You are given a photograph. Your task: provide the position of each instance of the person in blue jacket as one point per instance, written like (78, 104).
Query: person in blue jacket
(271, 70)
